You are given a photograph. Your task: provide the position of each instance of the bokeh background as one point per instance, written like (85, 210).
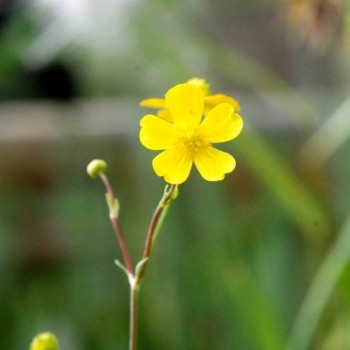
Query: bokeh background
(258, 261)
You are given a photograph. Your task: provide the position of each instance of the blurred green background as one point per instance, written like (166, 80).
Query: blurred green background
(258, 261)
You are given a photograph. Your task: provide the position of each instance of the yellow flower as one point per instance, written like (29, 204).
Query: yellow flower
(188, 139)
(210, 101)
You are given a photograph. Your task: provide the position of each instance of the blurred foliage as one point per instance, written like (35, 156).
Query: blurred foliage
(259, 261)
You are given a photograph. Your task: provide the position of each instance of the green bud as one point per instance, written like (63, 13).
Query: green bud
(44, 341)
(96, 167)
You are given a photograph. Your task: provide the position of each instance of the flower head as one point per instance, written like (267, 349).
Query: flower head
(44, 341)
(188, 139)
(210, 100)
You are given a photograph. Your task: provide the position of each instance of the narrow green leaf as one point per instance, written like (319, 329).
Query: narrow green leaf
(320, 290)
(282, 182)
(122, 267)
(139, 266)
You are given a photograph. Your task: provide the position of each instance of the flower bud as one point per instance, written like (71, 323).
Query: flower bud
(96, 168)
(44, 341)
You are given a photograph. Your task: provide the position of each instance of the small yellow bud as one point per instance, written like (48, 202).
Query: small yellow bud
(96, 167)
(201, 83)
(44, 341)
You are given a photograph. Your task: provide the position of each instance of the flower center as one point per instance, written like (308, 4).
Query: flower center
(193, 140)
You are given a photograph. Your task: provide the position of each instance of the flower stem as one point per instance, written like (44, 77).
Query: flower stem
(115, 224)
(153, 231)
(154, 227)
(134, 299)
(135, 281)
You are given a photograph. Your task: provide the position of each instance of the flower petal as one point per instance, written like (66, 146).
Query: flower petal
(165, 115)
(221, 124)
(213, 164)
(186, 105)
(156, 134)
(213, 100)
(174, 164)
(153, 103)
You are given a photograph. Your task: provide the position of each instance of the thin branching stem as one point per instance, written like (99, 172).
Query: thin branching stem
(115, 224)
(156, 221)
(134, 296)
(153, 230)
(155, 225)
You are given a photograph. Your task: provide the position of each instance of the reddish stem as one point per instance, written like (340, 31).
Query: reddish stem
(152, 227)
(114, 221)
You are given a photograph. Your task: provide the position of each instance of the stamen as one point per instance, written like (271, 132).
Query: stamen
(193, 140)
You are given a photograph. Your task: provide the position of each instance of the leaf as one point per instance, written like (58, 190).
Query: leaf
(122, 267)
(139, 266)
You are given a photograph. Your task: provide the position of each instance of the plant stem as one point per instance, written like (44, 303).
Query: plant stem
(134, 299)
(153, 230)
(154, 227)
(114, 221)
(135, 281)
